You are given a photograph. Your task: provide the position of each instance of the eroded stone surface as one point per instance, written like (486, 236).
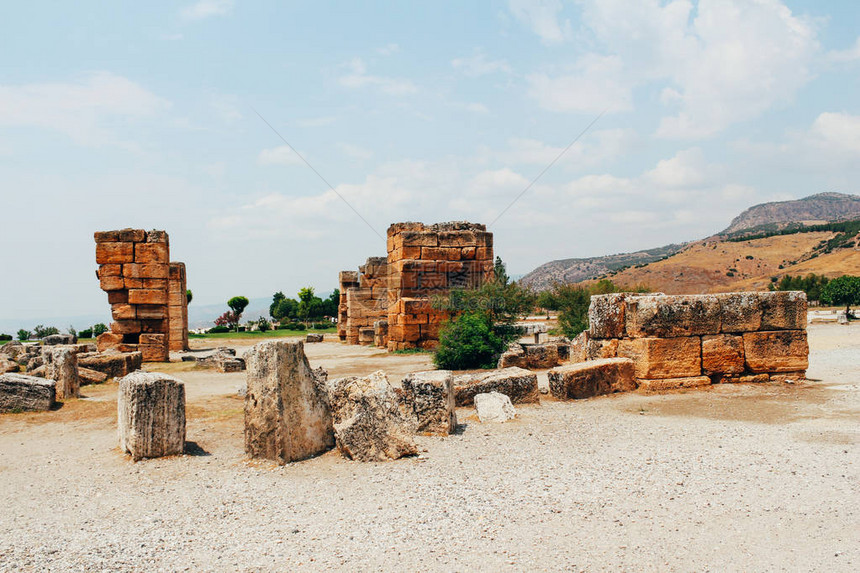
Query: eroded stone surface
(494, 407)
(783, 310)
(520, 385)
(368, 422)
(592, 378)
(151, 415)
(663, 384)
(19, 392)
(287, 413)
(776, 351)
(723, 354)
(431, 397)
(672, 316)
(663, 357)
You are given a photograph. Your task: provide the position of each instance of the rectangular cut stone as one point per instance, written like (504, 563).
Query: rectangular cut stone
(723, 354)
(287, 415)
(114, 365)
(151, 253)
(518, 384)
(156, 236)
(112, 270)
(114, 253)
(663, 357)
(431, 397)
(61, 363)
(151, 311)
(147, 296)
(151, 415)
(740, 311)
(663, 384)
(592, 378)
(601, 348)
(146, 271)
(118, 297)
(125, 327)
(606, 316)
(22, 393)
(132, 283)
(121, 235)
(776, 351)
(107, 340)
(123, 312)
(672, 316)
(109, 283)
(783, 310)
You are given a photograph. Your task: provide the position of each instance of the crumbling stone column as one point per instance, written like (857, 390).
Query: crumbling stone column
(151, 415)
(346, 281)
(431, 395)
(135, 271)
(287, 415)
(61, 363)
(177, 308)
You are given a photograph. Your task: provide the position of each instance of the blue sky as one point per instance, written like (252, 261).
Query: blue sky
(129, 114)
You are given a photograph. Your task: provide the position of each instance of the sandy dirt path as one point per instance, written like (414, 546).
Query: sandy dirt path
(740, 477)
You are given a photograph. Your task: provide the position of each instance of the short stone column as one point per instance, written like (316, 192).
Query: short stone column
(62, 366)
(431, 396)
(151, 415)
(287, 414)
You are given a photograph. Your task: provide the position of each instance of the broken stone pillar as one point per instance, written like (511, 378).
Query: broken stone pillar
(177, 308)
(431, 395)
(62, 366)
(287, 415)
(151, 415)
(368, 423)
(22, 393)
(518, 384)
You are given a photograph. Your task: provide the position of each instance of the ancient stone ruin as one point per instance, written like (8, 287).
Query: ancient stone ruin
(151, 415)
(146, 291)
(387, 303)
(694, 340)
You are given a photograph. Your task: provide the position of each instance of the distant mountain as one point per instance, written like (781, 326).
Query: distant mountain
(820, 208)
(576, 270)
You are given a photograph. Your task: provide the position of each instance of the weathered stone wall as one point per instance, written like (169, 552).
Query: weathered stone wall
(135, 271)
(367, 302)
(426, 261)
(694, 340)
(346, 281)
(177, 308)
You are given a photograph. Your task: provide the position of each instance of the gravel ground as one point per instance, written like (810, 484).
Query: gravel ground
(744, 477)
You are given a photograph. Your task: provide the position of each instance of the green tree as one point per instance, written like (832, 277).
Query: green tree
(188, 296)
(844, 290)
(237, 304)
(263, 325)
(41, 331)
(99, 329)
(573, 302)
(468, 341)
(276, 301)
(24, 335)
(500, 271)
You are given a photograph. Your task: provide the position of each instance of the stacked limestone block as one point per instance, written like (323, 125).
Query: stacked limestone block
(346, 281)
(694, 340)
(367, 302)
(134, 269)
(177, 308)
(426, 261)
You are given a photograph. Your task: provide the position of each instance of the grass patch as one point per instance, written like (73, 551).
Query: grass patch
(261, 335)
(412, 351)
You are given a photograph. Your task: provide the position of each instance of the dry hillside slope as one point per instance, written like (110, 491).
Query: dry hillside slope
(721, 266)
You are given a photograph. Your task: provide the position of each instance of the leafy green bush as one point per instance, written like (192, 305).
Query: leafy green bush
(844, 290)
(24, 334)
(263, 325)
(5, 337)
(468, 341)
(218, 329)
(99, 329)
(321, 325)
(573, 301)
(42, 331)
(811, 284)
(86, 333)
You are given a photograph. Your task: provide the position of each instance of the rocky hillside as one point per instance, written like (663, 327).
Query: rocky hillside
(577, 270)
(820, 208)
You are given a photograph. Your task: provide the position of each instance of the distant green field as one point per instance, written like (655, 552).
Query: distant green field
(267, 334)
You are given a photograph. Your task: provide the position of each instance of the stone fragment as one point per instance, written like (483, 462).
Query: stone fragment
(287, 414)
(595, 349)
(789, 377)
(663, 384)
(368, 422)
(541, 355)
(431, 396)
(740, 311)
(11, 349)
(20, 393)
(114, 364)
(776, 351)
(365, 335)
(151, 415)
(62, 366)
(494, 407)
(563, 347)
(515, 355)
(606, 316)
(7, 365)
(54, 339)
(723, 354)
(230, 365)
(107, 340)
(88, 376)
(520, 385)
(783, 310)
(663, 357)
(114, 253)
(672, 316)
(314, 337)
(592, 378)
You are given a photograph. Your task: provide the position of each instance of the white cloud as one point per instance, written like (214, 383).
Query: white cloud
(388, 49)
(82, 110)
(207, 8)
(281, 155)
(478, 65)
(852, 54)
(720, 63)
(355, 151)
(542, 16)
(357, 77)
(837, 132)
(595, 148)
(686, 169)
